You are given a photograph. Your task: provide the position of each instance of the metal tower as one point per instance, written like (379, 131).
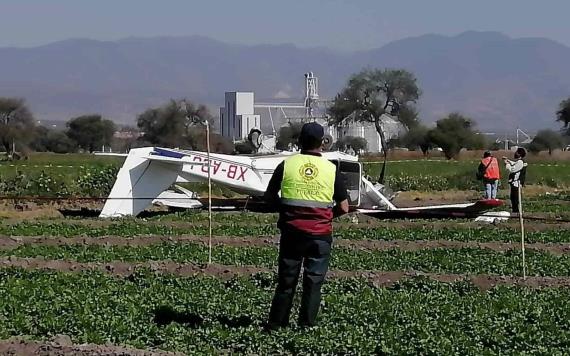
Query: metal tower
(311, 93)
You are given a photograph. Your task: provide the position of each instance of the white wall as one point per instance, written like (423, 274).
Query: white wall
(244, 103)
(367, 130)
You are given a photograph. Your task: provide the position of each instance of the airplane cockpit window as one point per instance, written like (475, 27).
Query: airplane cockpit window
(351, 173)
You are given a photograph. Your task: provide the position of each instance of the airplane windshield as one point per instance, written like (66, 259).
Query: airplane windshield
(351, 173)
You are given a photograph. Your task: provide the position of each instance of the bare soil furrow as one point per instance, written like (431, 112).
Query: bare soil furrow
(377, 278)
(61, 345)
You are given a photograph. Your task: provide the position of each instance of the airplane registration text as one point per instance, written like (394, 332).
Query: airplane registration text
(231, 171)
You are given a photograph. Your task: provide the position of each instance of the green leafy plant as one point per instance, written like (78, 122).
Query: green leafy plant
(97, 181)
(211, 316)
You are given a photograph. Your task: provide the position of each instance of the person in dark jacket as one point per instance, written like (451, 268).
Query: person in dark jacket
(312, 194)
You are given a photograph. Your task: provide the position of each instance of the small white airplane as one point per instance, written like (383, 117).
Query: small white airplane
(148, 172)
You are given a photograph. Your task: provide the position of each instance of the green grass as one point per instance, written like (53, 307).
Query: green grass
(442, 174)
(73, 159)
(551, 203)
(423, 175)
(65, 167)
(212, 316)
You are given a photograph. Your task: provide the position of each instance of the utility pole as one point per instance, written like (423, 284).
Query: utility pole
(197, 120)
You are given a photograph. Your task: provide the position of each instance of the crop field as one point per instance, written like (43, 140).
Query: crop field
(410, 287)
(93, 176)
(76, 284)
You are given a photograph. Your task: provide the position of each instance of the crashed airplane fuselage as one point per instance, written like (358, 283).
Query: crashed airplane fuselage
(148, 172)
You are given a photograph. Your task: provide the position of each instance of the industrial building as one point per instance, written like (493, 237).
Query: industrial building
(241, 114)
(237, 117)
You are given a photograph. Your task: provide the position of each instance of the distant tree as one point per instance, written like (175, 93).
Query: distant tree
(173, 124)
(221, 144)
(372, 93)
(49, 140)
(478, 142)
(218, 144)
(563, 114)
(546, 140)
(59, 142)
(417, 138)
(288, 134)
(91, 132)
(368, 95)
(358, 144)
(16, 123)
(409, 117)
(453, 133)
(39, 144)
(244, 147)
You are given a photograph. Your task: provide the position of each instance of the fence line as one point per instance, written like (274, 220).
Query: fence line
(451, 161)
(41, 166)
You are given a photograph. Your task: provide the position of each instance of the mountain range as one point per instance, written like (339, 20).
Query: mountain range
(499, 81)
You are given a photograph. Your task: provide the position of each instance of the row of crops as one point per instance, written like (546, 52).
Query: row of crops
(58, 182)
(133, 228)
(440, 260)
(211, 312)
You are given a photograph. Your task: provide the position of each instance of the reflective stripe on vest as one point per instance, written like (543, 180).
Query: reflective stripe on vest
(308, 181)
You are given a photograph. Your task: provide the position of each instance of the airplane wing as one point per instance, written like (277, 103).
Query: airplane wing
(435, 211)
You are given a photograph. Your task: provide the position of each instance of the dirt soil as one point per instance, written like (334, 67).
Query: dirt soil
(416, 198)
(61, 345)
(12, 242)
(377, 278)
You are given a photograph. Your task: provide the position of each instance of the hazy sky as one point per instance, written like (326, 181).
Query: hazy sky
(339, 24)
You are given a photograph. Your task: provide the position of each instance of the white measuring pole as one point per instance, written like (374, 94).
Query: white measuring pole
(521, 221)
(209, 194)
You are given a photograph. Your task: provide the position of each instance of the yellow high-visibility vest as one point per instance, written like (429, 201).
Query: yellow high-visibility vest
(308, 181)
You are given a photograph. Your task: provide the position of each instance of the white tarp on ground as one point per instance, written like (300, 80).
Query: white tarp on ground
(493, 217)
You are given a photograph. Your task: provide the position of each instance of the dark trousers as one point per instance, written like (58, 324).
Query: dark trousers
(515, 199)
(296, 249)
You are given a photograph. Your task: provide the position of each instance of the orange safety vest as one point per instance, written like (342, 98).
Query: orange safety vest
(492, 171)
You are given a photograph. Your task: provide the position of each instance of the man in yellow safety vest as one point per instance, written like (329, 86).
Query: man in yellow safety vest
(312, 193)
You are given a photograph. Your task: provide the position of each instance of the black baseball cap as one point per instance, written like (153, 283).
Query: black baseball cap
(312, 131)
(311, 136)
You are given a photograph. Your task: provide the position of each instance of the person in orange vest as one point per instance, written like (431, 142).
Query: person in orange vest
(312, 194)
(489, 171)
